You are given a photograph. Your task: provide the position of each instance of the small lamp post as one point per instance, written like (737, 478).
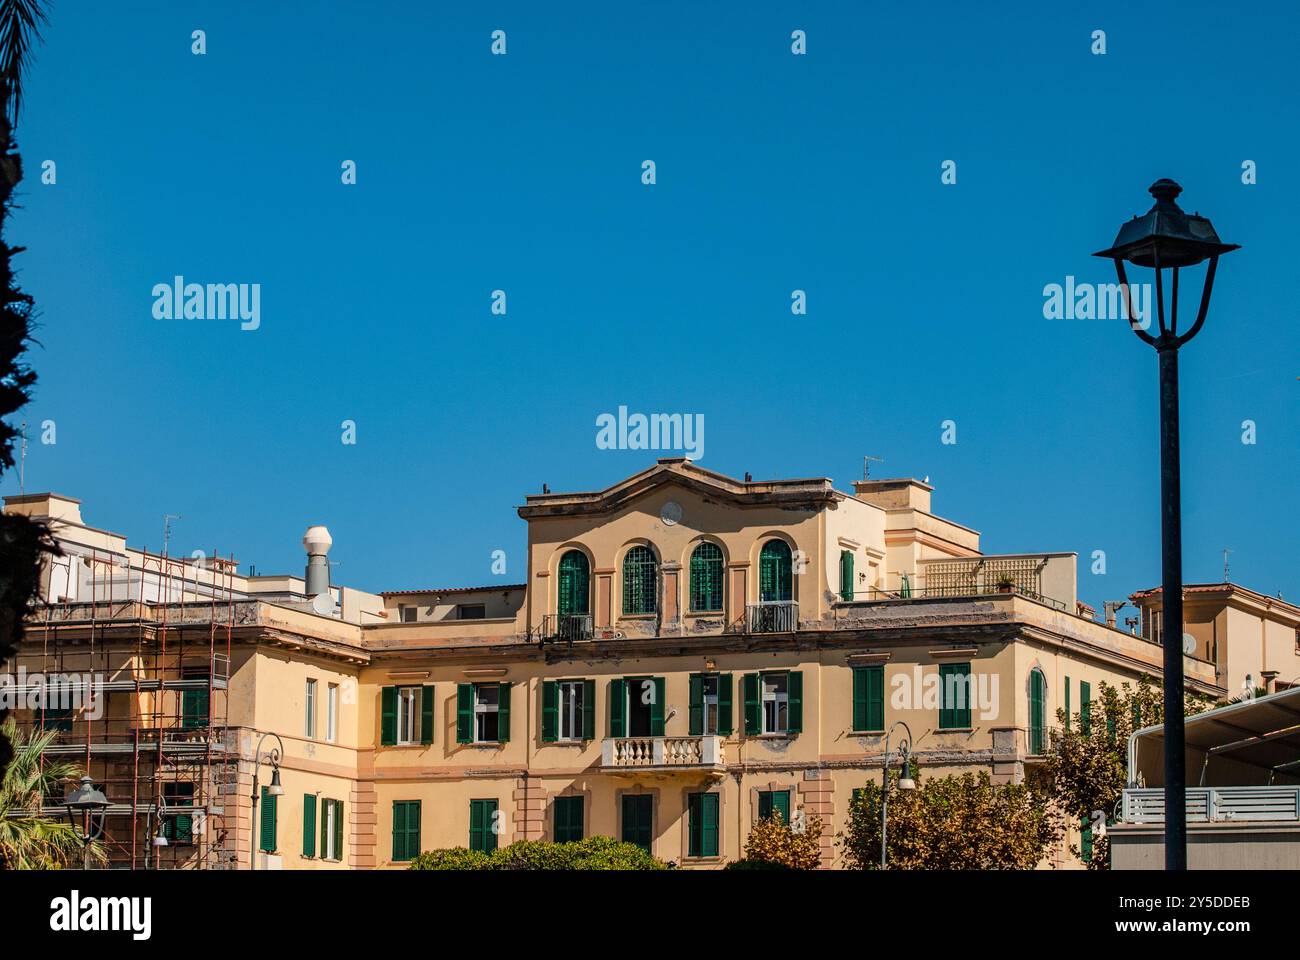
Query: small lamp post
(1168, 238)
(274, 755)
(905, 781)
(90, 803)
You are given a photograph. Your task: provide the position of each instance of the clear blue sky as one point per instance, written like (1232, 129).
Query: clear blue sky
(775, 173)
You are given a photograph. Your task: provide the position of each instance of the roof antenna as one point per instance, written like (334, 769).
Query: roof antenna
(1226, 551)
(545, 489)
(167, 529)
(866, 466)
(22, 464)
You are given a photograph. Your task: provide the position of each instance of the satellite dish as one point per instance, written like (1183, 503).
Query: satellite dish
(1189, 643)
(323, 604)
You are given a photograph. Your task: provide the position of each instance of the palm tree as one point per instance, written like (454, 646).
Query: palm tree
(21, 540)
(33, 834)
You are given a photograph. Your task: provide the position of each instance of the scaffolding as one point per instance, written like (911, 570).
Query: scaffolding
(138, 692)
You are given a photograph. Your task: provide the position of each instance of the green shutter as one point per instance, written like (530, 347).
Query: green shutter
(724, 705)
(860, 684)
(1067, 703)
(702, 809)
(481, 836)
(503, 713)
(764, 804)
(426, 714)
(954, 696)
(338, 830)
(324, 826)
(399, 830)
(794, 689)
(550, 711)
(753, 718)
(876, 697)
(568, 819)
(1085, 839)
(657, 709)
(388, 717)
(589, 709)
(781, 805)
(638, 820)
(617, 709)
(309, 825)
(464, 713)
(1085, 708)
(695, 726)
(846, 575)
(1036, 705)
(268, 821)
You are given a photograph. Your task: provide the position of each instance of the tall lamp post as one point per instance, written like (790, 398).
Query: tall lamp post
(1167, 238)
(90, 803)
(274, 755)
(905, 781)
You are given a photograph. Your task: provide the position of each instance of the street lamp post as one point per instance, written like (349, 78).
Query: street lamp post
(91, 804)
(905, 781)
(1168, 238)
(275, 755)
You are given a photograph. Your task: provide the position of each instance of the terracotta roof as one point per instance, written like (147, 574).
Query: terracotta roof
(444, 590)
(1221, 588)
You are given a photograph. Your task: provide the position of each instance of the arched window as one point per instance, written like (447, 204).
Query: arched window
(575, 584)
(706, 577)
(640, 590)
(1037, 712)
(774, 571)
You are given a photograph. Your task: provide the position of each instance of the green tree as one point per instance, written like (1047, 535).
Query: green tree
(1087, 762)
(33, 832)
(21, 540)
(957, 822)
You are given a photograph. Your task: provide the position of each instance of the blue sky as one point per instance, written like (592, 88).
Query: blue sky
(775, 172)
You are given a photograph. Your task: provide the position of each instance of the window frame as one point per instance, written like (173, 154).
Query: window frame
(309, 709)
(332, 713)
(640, 581)
(697, 829)
(482, 710)
(570, 704)
(777, 699)
(461, 608)
(408, 714)
(704, 571)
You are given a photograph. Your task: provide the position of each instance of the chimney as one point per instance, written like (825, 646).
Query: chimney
(317, 542)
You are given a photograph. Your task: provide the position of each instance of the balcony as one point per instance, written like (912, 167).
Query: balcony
(665, 755)
(567, 627)
(1217, 805)
(772, 616)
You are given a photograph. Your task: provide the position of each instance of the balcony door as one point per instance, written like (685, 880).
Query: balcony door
(774, 581)
(575, 585)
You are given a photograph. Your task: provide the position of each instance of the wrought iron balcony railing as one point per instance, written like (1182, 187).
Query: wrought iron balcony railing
(567, 627)
(772, 616)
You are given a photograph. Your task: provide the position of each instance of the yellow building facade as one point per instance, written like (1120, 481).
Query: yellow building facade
(689, 652)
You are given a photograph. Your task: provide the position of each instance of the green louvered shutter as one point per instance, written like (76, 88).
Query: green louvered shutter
(388, 717)
(550, 711)
(399, 830)
(753, 720)
(414, 810)
(876, 697)
(503, 713)
(588, 710)
(781, 805)
(702, 809)
(1036, 709)
(268, 821)
(1067, 703)
(695, 725)
(338, 830)
(324, 826)
(1085, 708)
(426, 714)
(954, 696)
(860, 699)
(724, 705)
(657, 709)
(846, 575)
(617, 709)
(309, 825)
(464, 713)
(794, 688)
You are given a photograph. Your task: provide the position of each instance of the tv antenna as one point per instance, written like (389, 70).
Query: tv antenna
(866, 466)
(1226, 551)
(22, 463)
(167, 529)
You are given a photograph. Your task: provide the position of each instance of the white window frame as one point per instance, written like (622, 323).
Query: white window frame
(310, 719)
(778, 699)
(408, 715)
(710, 718)
(482, 710)
(332, 713)
(569, 694)
(404, 609)
(329, 812)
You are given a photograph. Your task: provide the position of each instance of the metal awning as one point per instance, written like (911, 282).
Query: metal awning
(1256, 742)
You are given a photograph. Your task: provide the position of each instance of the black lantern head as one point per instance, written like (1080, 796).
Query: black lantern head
(1166, 236)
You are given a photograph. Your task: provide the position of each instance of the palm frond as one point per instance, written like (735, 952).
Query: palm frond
(20, 28)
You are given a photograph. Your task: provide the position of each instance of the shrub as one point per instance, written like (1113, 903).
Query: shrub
(772, 841)
(756, 865)
(593, 853)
